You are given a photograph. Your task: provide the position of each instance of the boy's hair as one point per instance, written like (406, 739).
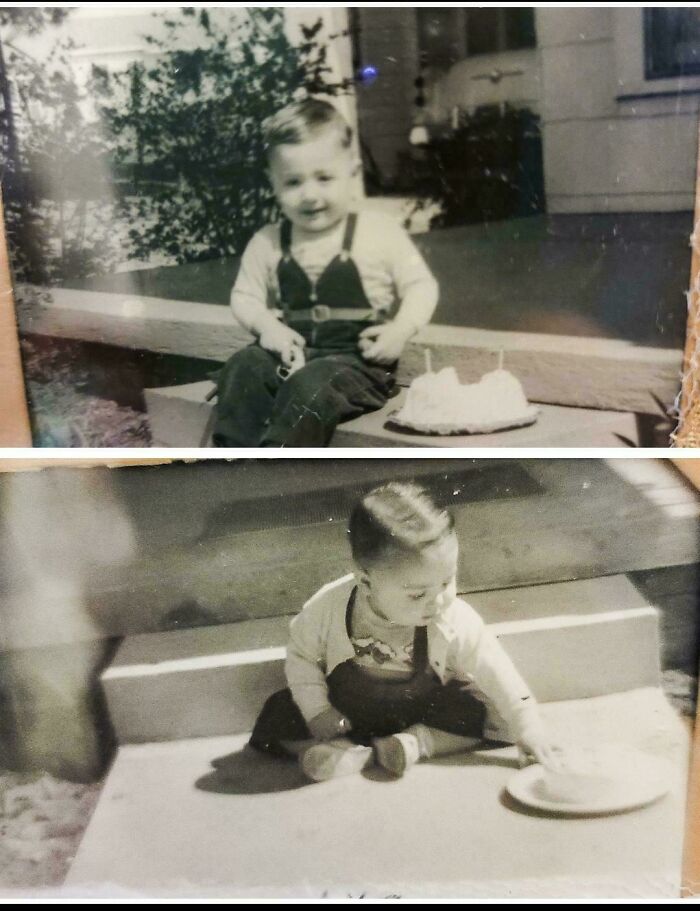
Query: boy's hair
(396, 518)
(304, 120)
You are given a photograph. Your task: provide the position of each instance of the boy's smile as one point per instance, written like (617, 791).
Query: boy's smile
(314, 181)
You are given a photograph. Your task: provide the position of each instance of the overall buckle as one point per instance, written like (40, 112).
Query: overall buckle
(320, 313)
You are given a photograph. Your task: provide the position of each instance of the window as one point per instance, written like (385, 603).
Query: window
(671, 42)
(446, 35)
(439, 36)
(490, 30)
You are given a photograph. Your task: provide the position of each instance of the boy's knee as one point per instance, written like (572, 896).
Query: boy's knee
(248, 363)
(317, 381)
(252, 359)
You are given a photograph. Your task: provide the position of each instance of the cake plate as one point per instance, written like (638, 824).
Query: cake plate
(639, 779)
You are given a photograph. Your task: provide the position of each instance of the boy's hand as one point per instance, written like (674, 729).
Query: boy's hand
(384, 344)
(536, 746)
(282, 340)
(329, 724)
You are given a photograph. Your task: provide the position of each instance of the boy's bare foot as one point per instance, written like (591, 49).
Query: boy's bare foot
(335, 758)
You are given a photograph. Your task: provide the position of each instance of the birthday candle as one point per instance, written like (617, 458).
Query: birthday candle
(428, 362)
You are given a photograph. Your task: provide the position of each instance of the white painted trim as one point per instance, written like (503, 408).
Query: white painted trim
(628, 33)
(278, 653)
(197, 663)
(130, 306)
(508, 627)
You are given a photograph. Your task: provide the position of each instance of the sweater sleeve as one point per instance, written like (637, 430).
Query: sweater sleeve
(254, 285)
(305, 665)
(484, 660)
(409, 269)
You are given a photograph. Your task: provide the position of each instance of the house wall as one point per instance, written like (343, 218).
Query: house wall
(605, 148)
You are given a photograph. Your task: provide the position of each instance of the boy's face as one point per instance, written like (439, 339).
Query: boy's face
(411, 590)
(313, 181)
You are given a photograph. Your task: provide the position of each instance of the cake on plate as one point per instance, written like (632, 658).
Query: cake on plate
(438, 403)
(583, 781)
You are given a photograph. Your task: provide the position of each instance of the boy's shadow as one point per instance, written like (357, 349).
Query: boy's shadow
(249, 772)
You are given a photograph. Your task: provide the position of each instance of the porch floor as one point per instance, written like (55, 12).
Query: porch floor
(168, 823)
(610, 276)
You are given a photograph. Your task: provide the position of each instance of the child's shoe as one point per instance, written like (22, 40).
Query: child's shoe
(335, 758)
(396, 754)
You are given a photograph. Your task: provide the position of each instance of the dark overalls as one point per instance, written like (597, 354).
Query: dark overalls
(376, 708)
(257, 407)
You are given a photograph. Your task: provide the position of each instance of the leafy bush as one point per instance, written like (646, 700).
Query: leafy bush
(172, 166)
(489, 168)
(187, 127)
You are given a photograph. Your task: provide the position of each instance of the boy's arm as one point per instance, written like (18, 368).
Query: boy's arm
(417, 291)
(249, 298)
(416, 287)
(306, 675)
(305, 666)
(487, 663)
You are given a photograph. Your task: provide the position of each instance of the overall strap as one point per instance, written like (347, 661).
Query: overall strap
(349, 234)
(285, 236)
(420, 648)
(348, 612)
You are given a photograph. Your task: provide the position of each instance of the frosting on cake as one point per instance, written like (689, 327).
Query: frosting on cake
(440, 399)
(578, 787)
(587, 776)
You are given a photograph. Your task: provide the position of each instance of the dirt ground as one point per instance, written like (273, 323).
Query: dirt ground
(65, 413)
(42, 821)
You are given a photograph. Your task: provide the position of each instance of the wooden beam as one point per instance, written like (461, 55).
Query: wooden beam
(14, 417)
(555, 369)
(223, 542)
(584, 522)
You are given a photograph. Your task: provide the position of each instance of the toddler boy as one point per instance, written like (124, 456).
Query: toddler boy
(318, 291)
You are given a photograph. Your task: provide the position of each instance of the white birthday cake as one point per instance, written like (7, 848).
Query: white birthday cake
(439, 403)
(588, 780)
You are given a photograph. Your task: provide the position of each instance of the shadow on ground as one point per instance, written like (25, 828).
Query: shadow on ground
(248, 772)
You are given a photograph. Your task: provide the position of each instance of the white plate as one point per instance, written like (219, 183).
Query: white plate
(639, 779)
(443, 430)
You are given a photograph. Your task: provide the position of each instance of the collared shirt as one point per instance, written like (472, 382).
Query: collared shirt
(460, 647)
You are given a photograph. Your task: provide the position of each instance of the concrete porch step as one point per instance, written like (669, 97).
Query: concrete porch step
(181, 416)
(571, 640)
(169, 825)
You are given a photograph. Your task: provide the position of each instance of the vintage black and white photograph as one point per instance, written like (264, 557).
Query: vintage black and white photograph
(345, 678)
(367, 226)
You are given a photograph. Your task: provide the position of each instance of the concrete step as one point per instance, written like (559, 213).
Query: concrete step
(214, 680)
(181, 416)
(169, 825)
